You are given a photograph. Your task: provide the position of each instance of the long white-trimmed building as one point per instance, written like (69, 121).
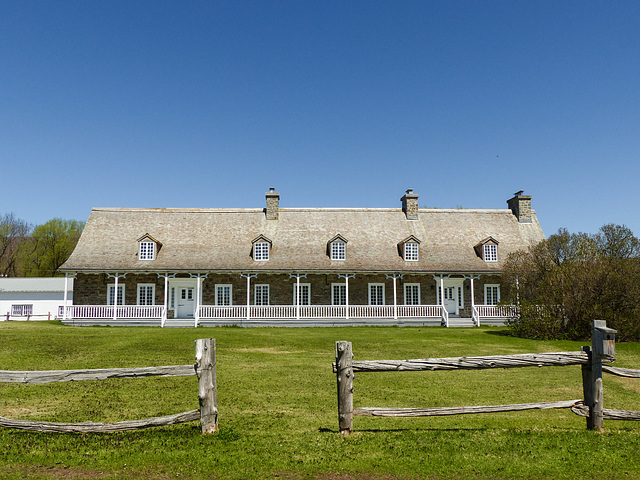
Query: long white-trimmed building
(296, 266)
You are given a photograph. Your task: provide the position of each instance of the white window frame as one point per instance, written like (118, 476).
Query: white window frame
(303, 301)
(220, 295)
(411, 251)
(338, 250)
(261, 251)
(337, 291)
(490, 252)
(491, 293)
(22, 310)
(376, 290)
(143, 295)
(111, 293)
(409, 294)
(147, 250)
(261, 292)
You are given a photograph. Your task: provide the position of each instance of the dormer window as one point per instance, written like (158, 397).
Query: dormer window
(490, 252)
(410, 248)
(148, 247)
(338, 248)
(147, 251)
(261, 248)
(487, 249)
(411, 252)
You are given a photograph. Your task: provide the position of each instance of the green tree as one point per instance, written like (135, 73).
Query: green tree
(50, 246)
(14, 233)
(568, 280)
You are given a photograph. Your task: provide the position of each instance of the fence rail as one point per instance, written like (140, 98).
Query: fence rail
(589, 358)
(11, 317)
(204, 369)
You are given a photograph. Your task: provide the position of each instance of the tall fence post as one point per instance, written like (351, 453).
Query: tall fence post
(602, 347)
(207, 387)
(344, 375)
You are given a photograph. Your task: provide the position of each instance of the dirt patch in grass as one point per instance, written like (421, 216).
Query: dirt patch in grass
(78, 473)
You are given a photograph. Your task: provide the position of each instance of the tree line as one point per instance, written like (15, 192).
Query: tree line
(564, 282)
(36, 251)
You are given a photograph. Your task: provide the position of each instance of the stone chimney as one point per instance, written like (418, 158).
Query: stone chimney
(410, 205)
(520, 205)
(273, 201)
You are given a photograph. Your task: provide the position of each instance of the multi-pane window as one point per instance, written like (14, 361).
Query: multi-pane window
(376, 294)
(147, 251)
(338, 250)
(491, 294)
(411, 251)
(261, 251)
(223, 294)
(261, 294)
(338, 294)
(412, 294)
(146, 294)
(21, 310)
(305, 294)
(111, 290)
(490, 252)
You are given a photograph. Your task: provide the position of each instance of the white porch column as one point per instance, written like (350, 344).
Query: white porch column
(165, 312)
(474, 317)
(297, 276)
(445, 315)
(196, 314)
(297, 297)
(395, 294)
(115, 299)
(166, 301)
(116, 276)
(249, 276)
(346, 277)
(199, 277)
(67, 276)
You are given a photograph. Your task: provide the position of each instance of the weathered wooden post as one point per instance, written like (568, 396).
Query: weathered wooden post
(344, 375)
(603, 347)
(207, 387)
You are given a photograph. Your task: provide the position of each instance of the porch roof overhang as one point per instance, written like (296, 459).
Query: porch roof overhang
(286, 271)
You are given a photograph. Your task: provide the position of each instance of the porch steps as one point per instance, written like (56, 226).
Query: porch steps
(461, 322)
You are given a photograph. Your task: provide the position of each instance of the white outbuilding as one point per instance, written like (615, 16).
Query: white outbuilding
(34, 298)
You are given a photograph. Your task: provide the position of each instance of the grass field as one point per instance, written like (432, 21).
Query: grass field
(278, 408)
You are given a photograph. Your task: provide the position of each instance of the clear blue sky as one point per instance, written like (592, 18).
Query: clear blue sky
(333, 103)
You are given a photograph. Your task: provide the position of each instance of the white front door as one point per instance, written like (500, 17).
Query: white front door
(453, 301)
(185, 302)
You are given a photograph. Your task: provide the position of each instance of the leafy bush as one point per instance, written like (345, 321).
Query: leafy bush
(568, 280)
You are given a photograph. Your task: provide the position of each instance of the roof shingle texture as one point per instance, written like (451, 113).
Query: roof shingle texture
(219, 240)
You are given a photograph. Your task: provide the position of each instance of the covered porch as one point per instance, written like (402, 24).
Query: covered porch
(210, 299)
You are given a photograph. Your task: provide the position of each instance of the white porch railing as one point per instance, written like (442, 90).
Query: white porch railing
(496, 311)
(122, 311)
(319, 311)
(493, 311)
(259, 312)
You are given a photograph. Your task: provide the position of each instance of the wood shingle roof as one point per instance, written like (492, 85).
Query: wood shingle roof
(220, 240)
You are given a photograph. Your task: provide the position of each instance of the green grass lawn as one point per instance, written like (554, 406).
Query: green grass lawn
(278, 408)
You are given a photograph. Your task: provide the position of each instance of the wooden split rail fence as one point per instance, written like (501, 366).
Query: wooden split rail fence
(204, 369)
(590, 358)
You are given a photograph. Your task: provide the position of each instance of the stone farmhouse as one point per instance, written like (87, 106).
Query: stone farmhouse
(296, 266)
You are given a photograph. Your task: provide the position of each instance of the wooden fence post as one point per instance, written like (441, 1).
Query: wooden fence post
(592, 388)
(207, 387)
(602, 347)
(344, 375)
